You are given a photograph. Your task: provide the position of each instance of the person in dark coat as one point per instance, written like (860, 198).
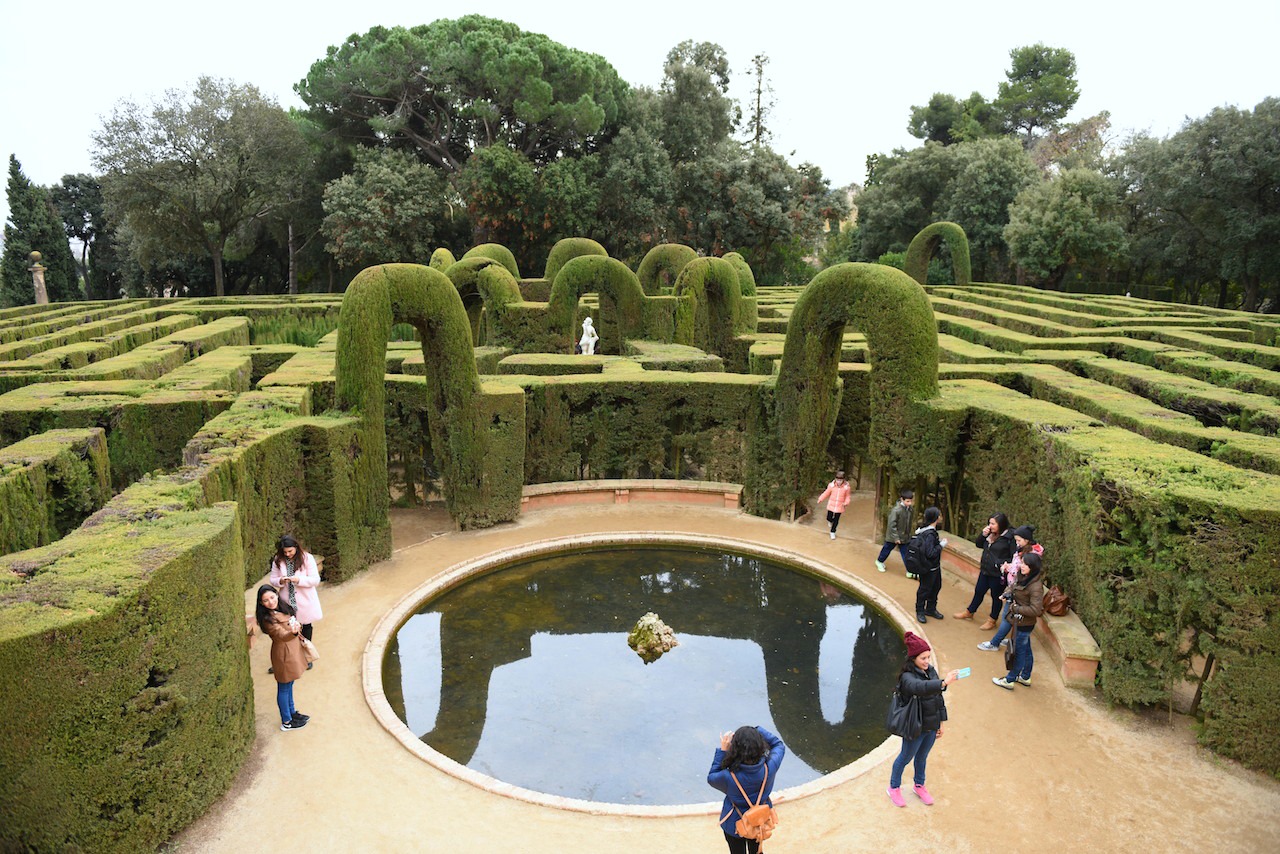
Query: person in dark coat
(996, 542)
(754, 755)
(930, 582)
(920, 679)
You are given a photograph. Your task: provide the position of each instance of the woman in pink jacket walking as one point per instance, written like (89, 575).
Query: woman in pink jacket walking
(294, 573)
(839, 492)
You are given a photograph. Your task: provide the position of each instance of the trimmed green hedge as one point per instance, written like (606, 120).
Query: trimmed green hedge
(473, 435)
(442, 259)
(661, 266)
(566, 250)
(923, 245)
(497, 252)
(894, 314)
(1168, 555)
(49, 483)
(124, 680)
(711, 318)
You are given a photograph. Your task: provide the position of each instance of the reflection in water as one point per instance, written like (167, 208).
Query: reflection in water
(525, 674)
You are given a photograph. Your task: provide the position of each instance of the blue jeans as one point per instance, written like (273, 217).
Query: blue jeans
(1023, 659)
(917, 748)
(1005, 626)
(284, 699)
(888, 547)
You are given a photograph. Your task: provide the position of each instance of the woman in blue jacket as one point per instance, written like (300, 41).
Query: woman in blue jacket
(753, 754)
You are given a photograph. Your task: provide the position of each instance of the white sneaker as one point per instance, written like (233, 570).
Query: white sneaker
(880, 565)
(986, 646)
(1022, 681)
(833, 535)
(1002, 682)
(1004, 642)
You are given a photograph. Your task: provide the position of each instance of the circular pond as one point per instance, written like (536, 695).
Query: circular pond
(521, 672)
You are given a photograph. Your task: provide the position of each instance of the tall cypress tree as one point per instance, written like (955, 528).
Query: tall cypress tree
(34, 225)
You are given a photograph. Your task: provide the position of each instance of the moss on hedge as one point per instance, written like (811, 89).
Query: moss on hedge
(621, 302)
(923, 245)
(124, 680)
(661, 266)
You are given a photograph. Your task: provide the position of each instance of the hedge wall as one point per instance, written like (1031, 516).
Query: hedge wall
(124, 680)
(49, 483)
(923, 245)
(566, 250)
(1169, 555)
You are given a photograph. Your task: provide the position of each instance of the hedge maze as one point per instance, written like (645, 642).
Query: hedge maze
(150, 450)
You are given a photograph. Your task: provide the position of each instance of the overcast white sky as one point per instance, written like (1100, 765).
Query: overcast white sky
(845, 74)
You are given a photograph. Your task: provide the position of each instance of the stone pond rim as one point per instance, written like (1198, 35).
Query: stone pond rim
(376, 649)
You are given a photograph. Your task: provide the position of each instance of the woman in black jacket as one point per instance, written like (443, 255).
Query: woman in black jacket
(996, 542)
(920, 679)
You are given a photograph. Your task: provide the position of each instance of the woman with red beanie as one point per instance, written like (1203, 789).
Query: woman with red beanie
(920, 679)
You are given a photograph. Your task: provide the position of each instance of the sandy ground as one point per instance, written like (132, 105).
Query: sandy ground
(1044, 768)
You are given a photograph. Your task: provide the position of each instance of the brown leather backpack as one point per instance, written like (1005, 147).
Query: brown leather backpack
(1056, 603)
(760, 819)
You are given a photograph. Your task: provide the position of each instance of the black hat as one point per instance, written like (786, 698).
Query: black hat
(1026, 532)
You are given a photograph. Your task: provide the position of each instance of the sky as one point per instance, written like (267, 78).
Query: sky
(844, 75)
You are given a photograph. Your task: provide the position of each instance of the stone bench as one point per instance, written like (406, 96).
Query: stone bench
(707, 493)
(1069, 643)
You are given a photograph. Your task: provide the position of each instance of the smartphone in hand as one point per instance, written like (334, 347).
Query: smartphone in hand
(963, 672)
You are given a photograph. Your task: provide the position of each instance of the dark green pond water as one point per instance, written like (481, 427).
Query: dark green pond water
(525, 675)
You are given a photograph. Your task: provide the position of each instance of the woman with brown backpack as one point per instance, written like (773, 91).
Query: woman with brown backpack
(744, 768)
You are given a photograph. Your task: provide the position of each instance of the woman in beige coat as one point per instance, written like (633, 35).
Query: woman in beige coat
(288, 661)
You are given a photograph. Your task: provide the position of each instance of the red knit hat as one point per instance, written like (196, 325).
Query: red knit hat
(915, 644)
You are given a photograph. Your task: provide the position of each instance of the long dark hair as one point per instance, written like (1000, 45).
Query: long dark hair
(263, 613)
(1033, 562)
(1002, 522)
(746, 748)
(287, 542)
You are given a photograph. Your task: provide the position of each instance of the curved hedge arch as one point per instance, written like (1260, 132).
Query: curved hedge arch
(894, 313)
(620, 294)
(498, 253)
(664, 261)
(566, 250)
(926, 242)
(426, 298)
(746, 278)
(442, 259)
(708, 318)
(479, 292)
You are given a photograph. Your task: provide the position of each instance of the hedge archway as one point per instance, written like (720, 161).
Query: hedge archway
(566, 250)
(708, 317)
(902, 342)
(662, 265)
(479, 291)
(426, 298)
(498, 253)
(924, 244)
(621, 299)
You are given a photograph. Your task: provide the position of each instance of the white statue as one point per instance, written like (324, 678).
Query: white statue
(589, 338)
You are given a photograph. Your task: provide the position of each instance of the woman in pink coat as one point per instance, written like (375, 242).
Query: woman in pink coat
(294, 573)
(839, 492)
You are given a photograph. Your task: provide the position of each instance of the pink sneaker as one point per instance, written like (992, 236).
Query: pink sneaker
(895, 795)
(924, 795)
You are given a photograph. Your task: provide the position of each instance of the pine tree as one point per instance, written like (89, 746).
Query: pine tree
(34, 224)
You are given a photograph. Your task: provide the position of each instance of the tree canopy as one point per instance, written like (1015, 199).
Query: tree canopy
(449, 88)
(196, 169)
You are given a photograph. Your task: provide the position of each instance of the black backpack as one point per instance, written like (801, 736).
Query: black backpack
(915, 559)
